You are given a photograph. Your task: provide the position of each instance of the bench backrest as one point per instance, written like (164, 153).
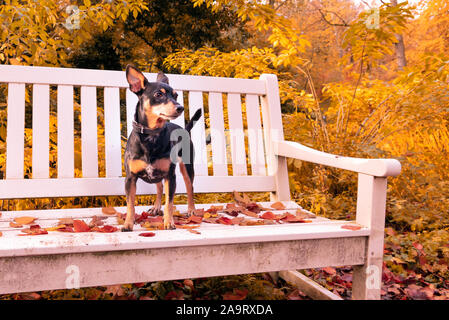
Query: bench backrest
(238, 158)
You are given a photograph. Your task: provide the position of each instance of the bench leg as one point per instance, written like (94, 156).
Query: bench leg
(371, 199)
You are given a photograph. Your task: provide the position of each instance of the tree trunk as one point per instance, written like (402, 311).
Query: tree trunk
(400, 48)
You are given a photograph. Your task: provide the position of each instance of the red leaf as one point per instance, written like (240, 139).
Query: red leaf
(147, 234)
(330, 271)
(66, 229)
(224, 220)
(292, 218)
(237, 220)
(269, 216)
(105, 229)
(418, 246)
(80, 226)
(236, 295)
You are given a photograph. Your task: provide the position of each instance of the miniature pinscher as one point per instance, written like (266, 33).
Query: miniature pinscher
(153, 142)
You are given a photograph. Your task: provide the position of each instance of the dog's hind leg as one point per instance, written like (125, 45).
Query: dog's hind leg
(130, 189)
(188, 174)
(169, 189)
(158, 203)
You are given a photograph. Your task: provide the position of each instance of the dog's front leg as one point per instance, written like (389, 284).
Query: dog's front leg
(169, 189)
(158, 203)
(130, 189)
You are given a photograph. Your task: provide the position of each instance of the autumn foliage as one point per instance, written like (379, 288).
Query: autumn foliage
(344, 90)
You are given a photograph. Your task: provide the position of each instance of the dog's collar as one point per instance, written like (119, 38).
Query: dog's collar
(140, 128)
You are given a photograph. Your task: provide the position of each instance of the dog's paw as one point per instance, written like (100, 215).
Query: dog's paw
(154, 211)
(190, 212)
(169, 226)
(127, 227)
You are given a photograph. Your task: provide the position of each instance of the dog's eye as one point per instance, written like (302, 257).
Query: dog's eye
(158, 94)
(175, 95)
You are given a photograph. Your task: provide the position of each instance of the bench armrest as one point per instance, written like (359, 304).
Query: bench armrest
(373, 167)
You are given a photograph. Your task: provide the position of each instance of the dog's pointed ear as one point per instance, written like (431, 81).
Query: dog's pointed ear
(135, 78)
(161, 77)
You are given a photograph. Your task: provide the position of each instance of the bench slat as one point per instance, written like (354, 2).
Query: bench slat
(255, 135)
(41, 133)
(238, 152)
(180, 121)
(113, 148)
(15, 131)
(77, 187)
(89, 148)
(217, 133)
(131, 102)
(66, 161)
(108, 78)
(198, 133)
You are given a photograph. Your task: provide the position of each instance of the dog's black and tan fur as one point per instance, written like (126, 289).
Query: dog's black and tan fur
(149, 146)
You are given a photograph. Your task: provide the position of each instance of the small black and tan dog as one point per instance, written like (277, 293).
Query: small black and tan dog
(153, 147)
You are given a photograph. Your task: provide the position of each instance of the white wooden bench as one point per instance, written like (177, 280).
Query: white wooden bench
(52, 261)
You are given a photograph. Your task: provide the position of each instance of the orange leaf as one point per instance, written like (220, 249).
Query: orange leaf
(105, 229)
(268, 215)
(80, 226)
(278, 206)
(24, 220)
(15, 225)
(193, 231)
(351, 227)
(194, 219)
(108, 210)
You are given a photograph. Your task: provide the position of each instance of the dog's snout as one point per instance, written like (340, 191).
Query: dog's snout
(179, 109)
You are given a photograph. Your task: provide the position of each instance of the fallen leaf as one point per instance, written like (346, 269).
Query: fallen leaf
(33, 230)
(60, 226)
(351, 227)
(188, 283)
(24, 220)
(12, 224)
(66, 229)
(250, 213)
(241, 201)
(115, 290)
(147, 234)
(278, 205)
(302, 214)
(214, 209)
(237, 220)
(105, 229)
(224, 220)
(80, 226)
(108, 210)
(193, 231)
(271, 216)
(237, 294)
(96, 221)
(185, 226)
(199, 212)
(288, 217)
(66, 221)
(252, 222)
(194, 219)
(330, 271)
(1, 233)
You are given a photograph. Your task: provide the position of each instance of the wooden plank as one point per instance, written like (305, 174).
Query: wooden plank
(107, 78)
(308, 286)
(44, 272)
(113, 149)
(15, 131)
(131, 102)
(273, 130)
(237, 135)
(374, 167)
(29, 188)
(66, 160)
(89, 147)
(41, 131)
(371, 202)
(217, 133)
(198, 134)
(180, 121)
(255, 136)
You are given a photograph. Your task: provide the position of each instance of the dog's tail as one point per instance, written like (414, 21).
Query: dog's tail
(192, 121)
